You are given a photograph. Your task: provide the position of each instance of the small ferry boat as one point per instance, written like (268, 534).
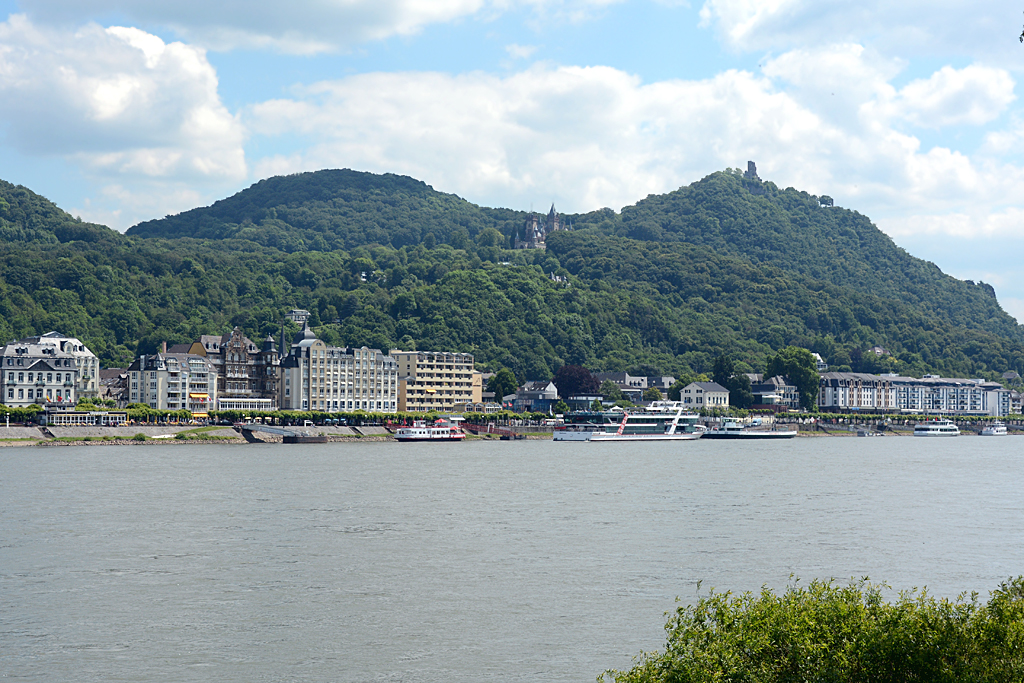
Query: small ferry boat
(442, 429)
(997, 428)
(647, 425)
(731, 429)
(936, 428)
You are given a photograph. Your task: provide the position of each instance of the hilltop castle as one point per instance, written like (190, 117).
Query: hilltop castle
(535, 232)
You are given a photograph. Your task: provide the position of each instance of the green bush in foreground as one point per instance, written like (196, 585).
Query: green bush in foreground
(826, 633)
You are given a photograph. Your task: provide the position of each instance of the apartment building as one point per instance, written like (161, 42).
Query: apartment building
(173, 381)
(88, 382)
(39, 370)
(931, 394)
(316, 376)
(435, 380)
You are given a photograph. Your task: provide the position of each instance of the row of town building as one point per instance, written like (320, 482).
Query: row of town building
(231, 372)
(309, 375)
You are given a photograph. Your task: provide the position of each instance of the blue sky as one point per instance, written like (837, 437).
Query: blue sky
(125, 110)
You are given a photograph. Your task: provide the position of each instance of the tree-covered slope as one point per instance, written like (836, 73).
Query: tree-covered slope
(28, 217)
(614, 303)
(335, 209)
(733, 215)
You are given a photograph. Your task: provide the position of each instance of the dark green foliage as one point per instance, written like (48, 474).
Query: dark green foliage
(800, 368)
(827, 633)
(793, 231)
(502, 383)
(340, 209)
(740, 395)
(648, 307)
(610, 390)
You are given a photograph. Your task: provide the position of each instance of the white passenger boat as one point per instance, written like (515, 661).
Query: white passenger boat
(732, 429)
(629, 426)
(442, 429)
(936, 428)
(997, 428)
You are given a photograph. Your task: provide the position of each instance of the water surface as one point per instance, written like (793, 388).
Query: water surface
(481, 561)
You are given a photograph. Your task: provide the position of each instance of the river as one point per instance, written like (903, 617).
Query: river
(479, 561)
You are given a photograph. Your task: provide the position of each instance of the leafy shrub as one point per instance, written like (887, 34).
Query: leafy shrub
(824, 633)
(139, 437)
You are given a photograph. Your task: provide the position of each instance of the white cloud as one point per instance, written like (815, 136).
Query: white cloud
(974, 96)
(588, 137)
(520, 51)
(121, 206)
(597, 136)
(300, 26)
(118, 101)
(911, 27)
(1004, 224)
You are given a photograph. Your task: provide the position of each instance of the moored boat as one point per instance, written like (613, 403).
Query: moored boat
(442, 429)
(732, 429)
(936, 428)
(997, 428)
(662, 425)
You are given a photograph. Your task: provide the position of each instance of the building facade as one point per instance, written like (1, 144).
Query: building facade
(88, 382)
(536, 397)
(247, 374)
(773, 391)
(38, 371)
(704, 396)
(174, 381)
(929, 395)
(435, 380)
(316, 376)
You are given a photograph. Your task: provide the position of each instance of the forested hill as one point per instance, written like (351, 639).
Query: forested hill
(725, 212)
(748, 218)
(27, 217)
(336, 209)
(388, 262)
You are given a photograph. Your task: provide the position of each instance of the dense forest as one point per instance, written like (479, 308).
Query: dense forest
(726, 265)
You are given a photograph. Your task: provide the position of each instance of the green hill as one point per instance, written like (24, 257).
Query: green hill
(386, 261)
(790, 229)
(334, 209)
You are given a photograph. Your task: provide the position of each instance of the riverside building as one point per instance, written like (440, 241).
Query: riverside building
(316, 376)
(173, 381)
(88, 382)
(434, 380)
(39, 370)
(929, 395)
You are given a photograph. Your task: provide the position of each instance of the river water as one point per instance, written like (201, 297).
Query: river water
(480, 561)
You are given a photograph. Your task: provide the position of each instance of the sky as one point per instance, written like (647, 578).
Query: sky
(122, 111)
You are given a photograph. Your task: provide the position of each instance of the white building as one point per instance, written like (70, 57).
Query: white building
(704, 396)
(38, 370)
(173, 381)
(315, 376)
(929, 395)
(88, 381)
